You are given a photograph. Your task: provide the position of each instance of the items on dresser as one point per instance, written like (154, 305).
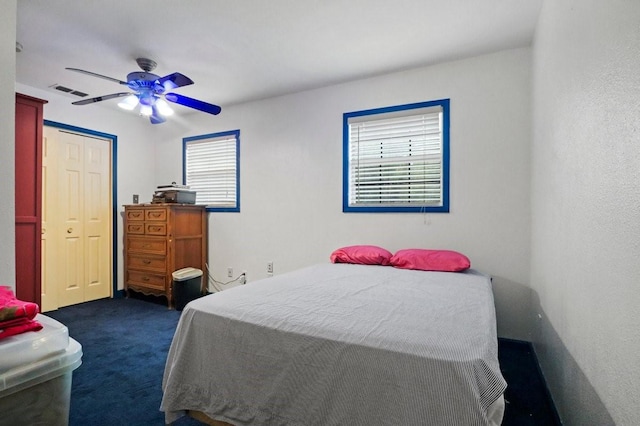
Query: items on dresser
(182, 196)
(160, 239)
(173, 185)
(174, 193)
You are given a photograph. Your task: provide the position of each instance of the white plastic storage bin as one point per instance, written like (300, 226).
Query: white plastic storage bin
(32, 346)
(35, 379)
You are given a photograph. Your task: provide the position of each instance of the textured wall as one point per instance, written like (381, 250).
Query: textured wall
(586, 207)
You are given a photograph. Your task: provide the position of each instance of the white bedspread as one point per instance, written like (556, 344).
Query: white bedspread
(339, 344)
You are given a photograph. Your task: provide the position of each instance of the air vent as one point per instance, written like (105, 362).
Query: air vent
(68, 90)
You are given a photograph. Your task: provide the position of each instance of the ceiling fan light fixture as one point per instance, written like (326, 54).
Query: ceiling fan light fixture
(146, 110)
(164, 108)
(129, 103)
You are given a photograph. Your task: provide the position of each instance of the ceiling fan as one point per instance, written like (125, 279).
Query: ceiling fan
(150, 92)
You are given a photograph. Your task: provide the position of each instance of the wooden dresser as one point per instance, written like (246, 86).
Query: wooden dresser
(160, 239)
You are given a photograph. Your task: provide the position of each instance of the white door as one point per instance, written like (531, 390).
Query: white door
(97, 218)
(50, 263)
(77, 259)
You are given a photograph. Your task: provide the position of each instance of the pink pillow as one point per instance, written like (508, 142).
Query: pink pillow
(430, 260)
(363, 254)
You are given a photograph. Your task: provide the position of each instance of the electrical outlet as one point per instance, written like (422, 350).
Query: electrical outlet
(270, 268)
(230, 272)
(243, 277)
(135, 198)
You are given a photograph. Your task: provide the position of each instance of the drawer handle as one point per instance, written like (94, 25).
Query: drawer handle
(146, 261)
(145, 278)
(135, 228)
(146, 245)
(156, 214)
(135, 214)
(155, 228)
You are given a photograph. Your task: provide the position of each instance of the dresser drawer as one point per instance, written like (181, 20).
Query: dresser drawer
(141, 228)
(146, 279)
(135, 228)
(155, 214)
(150, 263)
(135, 214)
(155, 228)
(146, 245)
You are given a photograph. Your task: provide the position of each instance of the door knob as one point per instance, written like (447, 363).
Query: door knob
(69, 230)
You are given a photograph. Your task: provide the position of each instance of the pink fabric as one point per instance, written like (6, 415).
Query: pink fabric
(430, 260)
(361, 254)
(16, 316)
(23, 327)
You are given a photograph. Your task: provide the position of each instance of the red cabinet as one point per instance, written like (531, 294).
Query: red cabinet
(28, 196)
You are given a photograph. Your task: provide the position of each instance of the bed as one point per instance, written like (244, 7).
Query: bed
(339, 344)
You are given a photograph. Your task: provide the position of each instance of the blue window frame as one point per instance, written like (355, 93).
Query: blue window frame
(211, 167)
(396, 159)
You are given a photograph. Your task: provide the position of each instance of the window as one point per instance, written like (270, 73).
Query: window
(396, 159)
(211, 167)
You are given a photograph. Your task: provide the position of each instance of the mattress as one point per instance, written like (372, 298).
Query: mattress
(337, 344)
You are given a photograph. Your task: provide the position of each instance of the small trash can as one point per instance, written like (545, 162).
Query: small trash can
(187, 286)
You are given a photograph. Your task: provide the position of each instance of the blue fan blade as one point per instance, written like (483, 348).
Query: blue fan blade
(193, 103)
(155, 117)
(174, 80)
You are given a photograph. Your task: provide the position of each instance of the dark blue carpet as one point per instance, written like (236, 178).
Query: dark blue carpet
(125, 344)
(528, 402)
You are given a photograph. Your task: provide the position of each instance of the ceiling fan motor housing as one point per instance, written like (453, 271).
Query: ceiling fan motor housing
(146, 85)
(132, 77)
(146, 64)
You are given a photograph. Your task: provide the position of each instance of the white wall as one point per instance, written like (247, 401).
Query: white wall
(7, 143)
(291, 176)
(586, 207)
(135, 147)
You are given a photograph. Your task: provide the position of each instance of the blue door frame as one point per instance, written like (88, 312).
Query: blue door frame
(114, 186)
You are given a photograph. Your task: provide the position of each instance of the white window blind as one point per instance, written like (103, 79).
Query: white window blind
(211, 169)
(396, 159)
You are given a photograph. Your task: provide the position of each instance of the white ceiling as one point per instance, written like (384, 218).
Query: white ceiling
(243, 50)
